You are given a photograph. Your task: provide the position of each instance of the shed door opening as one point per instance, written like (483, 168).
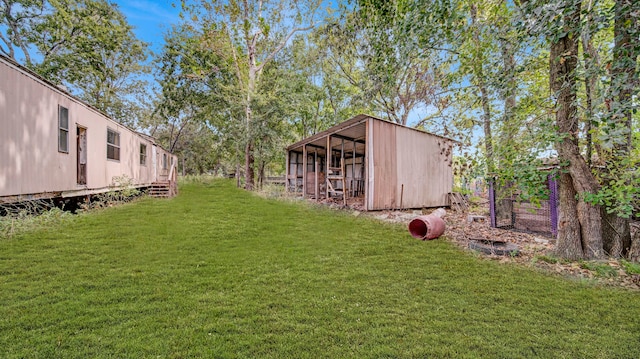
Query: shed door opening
(82, 155)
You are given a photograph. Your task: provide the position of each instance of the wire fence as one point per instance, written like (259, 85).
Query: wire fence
(509, 211)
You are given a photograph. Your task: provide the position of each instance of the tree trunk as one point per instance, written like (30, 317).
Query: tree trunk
(591, 61)
(562, 66)
(569, 244)
(510, 83)
(634, 252)
(261, 174)
(616, 232)
(509, 127)
(484, 93)
(249, 159)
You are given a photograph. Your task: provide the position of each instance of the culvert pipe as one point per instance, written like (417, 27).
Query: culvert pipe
(426, 227)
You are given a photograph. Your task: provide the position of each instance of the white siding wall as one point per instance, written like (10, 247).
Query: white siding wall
(30, 162)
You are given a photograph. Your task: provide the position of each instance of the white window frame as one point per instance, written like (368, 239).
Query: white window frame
(116, 146)
(143, 154)
(63, 132)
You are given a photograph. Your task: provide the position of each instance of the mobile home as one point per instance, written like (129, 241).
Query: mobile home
(55, 145)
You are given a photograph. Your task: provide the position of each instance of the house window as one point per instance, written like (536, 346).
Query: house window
(63, 129)
(143, 154)
(164, 161)
(113, 145)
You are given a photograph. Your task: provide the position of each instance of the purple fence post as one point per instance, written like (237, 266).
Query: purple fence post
(553, 204)
(492, 203)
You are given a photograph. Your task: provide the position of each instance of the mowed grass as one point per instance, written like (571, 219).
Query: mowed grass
(221, 273)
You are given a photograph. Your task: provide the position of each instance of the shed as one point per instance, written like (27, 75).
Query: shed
(56, 145)
(382, 164)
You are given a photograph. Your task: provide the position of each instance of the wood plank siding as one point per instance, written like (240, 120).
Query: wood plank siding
(384, 166)
(396, 166)
(423, 165)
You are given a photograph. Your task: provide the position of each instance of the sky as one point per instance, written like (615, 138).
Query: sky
(150, 18)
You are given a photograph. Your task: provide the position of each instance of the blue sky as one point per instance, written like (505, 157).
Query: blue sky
(150, 18)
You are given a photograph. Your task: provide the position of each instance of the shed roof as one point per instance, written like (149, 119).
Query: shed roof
(353, 129)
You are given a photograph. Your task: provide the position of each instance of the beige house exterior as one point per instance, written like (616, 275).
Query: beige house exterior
(55, 145)
(382, 164)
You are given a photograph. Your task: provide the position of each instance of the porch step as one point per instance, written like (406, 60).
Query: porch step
(160, 189)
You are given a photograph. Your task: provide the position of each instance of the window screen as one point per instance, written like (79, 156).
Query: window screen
(143, 154)
(113, 145)
(63, 129)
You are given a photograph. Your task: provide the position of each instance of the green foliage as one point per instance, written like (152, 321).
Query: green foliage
(26, 221)
(121, 190)
(630, 267)
(87, 45)
(600, 269)
(195, 179)
(373, 52)
(198, 97)
(547, 259)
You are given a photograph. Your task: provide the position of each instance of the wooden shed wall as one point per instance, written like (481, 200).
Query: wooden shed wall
(384, 181)
(30, 161)
(423, 167)
(410, 169)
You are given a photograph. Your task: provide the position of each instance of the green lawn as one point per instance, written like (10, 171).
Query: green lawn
(219, 272)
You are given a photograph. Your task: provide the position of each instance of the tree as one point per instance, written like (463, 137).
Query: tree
(192, 111)
(86, 45)
(17, 21)
(259, 29)
(624, 82)
(585, 230)
(371, 49)
(89, 46)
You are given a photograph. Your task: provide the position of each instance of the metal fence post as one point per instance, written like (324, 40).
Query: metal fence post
(492, 202)
(553, 204)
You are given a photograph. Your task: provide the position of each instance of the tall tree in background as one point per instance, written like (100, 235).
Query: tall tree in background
(374, 53)
(579, 230)
(258, 30)
(479, 61)
(86, 45)
(17, 21)
(318, 94)
(198, 99)
(619, 124)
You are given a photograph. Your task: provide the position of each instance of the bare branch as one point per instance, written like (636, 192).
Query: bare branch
(282, 44)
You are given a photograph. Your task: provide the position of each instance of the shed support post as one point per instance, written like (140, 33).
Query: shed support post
(353, 170)
(304, 171)
(327, 164)
(315, 172)
(287, 185)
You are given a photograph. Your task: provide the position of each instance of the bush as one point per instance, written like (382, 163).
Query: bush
(122, 190)
(25, 221)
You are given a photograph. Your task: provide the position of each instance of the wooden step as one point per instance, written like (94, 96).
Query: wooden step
(159, 189)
